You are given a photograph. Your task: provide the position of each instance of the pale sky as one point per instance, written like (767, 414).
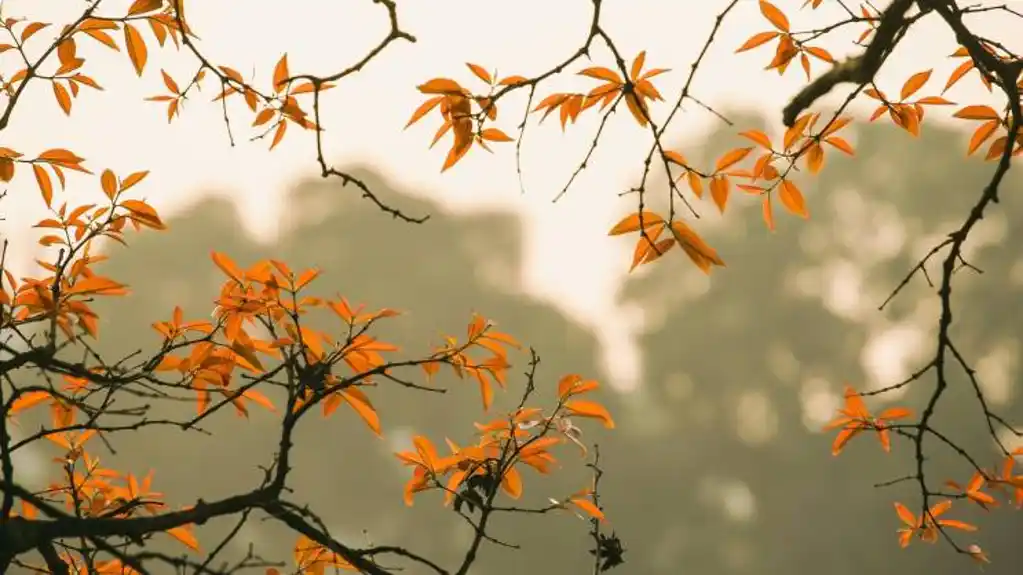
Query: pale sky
(570, 260)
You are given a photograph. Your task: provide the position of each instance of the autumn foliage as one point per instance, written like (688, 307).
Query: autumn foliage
(256, 351)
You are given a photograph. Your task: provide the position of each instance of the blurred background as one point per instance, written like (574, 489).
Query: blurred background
(719, 385)
(717, 464)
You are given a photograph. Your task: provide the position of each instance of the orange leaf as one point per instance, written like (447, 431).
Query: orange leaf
(30, 30)
(45, 185)
(6, 169)
(136, 48)
(905, 515)
(601, 73)
(143, 6)
(227, 265)
(360, 403)
(480, 72)
(63, 98)
(108, 181)
(144, 212)
(456, 153)
(815, 158)
(185, 536)
(792, 199)
(631, 223)
(637, 65)
(424, 109)
(646, 251)
(956, 524)
(981, 135)
(592, 409)
(758, 137)
(513, 80)
(934, 101)
(695, 183)
(511, 483)
(774, 15)
(719, 192)
(588, 506)
(914, 83)
(495, 135)
(27, 400)
(441, 86)
(757, 40)
(820, 54)
(841, 144)
(978, 113)
(731, 158)
(638, 108)
(281, 73)
(698, 251)
(957, 74)
(767, 213)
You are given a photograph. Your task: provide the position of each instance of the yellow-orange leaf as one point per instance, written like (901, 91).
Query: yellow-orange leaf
(819, 53)
(259, 398)
(592, 409)
(45, 185)
(513, 80)
(601, 73)
(978, 113)
(511, 483)
(757, 40)
(184, 535)
(144, 213)
(631, 223)
(957, 74)
(480, 72)
(6, 169)
(279, 134)
(361, 404)
(637, 65)
(227, 265)
(143, 6)
(934, 101)
(719, 192)
(815, 158)
(63, 98)
(27, 400)
(495, 135)
(675, 157)
(695, 183)
(30, 30)
(638, 108)
(982, 134)
(108, 181)
(588, 506)
(281, 73)
(758, 137)
(136, 48)
(792, 199)
(731, 158)
(647, 251)
(767, 213)
(914, 83)
(774, 15)
(424, 109)
(457, 152)
(441, 86)
(698, 251)
(841, 144)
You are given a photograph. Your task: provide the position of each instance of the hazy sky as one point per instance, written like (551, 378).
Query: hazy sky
(570, 260)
